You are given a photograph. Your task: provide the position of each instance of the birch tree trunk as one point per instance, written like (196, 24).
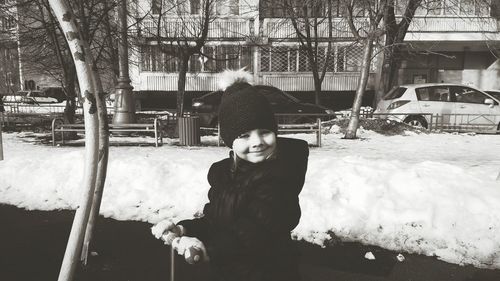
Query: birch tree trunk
(102, 166)
(69, 26)
(103, 138)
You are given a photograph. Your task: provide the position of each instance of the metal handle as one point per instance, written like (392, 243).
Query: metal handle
(172, 263)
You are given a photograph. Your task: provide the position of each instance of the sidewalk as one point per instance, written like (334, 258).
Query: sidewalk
(32, 245)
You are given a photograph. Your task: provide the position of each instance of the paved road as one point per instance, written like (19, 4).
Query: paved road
(32, 245)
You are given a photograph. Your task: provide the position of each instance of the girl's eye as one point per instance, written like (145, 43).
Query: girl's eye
(264, 132)
(244, 136)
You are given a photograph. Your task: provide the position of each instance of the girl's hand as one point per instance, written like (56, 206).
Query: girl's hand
(167, 231)
(191, 248)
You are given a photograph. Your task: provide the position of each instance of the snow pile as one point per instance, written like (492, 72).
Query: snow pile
(429, 194)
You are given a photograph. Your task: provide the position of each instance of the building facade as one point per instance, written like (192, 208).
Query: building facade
(10, 75)
(455, 42)
(448, 40)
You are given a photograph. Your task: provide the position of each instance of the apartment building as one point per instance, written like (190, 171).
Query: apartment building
(448, 40)
(9, 59)
(454, 41)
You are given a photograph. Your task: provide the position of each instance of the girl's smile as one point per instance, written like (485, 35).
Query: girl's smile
(255, 145)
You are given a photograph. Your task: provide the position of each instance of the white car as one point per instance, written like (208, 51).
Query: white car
(445, 106)
(37, 97)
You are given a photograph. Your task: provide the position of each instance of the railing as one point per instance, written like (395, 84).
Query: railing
(461, 123)
(291, 123)
(22, 108)
(282, 28)
(464, 123)
(345, 81)
(190, 27)
(13, 108)
(453, 24)
(399, 117)
(158, 81)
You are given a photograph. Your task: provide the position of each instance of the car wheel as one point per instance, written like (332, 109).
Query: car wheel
(416, 121)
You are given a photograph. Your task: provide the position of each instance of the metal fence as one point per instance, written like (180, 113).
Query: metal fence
(31, 115)
(465, 123)
(461, 123)
(22, 108)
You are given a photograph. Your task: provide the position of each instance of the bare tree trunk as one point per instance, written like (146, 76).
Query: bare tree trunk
(363, 80)
(69, 89)
(181, 84)
(394, 38)
(317, 88)
(102, 166)
(68, 24)
(389, 72)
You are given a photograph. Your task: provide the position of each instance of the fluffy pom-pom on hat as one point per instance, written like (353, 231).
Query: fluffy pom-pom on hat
(243, 108)
(229, 77)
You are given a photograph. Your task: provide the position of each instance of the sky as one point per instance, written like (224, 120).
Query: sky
(433, 194)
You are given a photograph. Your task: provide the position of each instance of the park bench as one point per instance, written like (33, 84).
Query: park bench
(303, 128)
(314, 127)
(155, 127)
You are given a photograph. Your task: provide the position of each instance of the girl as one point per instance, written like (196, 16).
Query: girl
(253, 200)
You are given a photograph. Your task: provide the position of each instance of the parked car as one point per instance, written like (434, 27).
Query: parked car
(37, 97)
(457, 105)
(207, 107)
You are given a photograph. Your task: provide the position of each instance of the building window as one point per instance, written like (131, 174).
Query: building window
(342, 58)
(228, 57)
(228, 7)
(213, 59)
(180, 7)
(195, 7)
(280, 59)
(8, 79)
(156, 7)
(8, 22)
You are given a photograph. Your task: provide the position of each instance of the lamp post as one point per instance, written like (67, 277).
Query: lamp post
(124, 98)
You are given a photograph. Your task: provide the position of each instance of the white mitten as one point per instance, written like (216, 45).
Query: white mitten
(167, 231)
(191, 248)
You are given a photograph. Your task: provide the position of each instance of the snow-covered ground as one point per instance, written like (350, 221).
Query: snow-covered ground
(433, 194)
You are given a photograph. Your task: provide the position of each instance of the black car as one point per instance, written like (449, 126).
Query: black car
(207, 107)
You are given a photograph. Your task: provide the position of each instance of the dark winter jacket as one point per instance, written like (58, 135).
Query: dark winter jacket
(252, 209)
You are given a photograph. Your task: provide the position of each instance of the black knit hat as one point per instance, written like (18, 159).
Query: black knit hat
(244, 108)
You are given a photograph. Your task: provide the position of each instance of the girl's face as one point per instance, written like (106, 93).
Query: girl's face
(255, 146)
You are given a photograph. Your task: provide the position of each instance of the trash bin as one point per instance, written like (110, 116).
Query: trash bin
(189, 130)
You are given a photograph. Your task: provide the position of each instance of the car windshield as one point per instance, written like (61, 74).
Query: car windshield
(395, 93)
(494, 94)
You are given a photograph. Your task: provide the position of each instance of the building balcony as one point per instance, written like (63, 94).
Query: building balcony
(160, 81)
(189, 27)
(342, 81)
(441, 28)
(282, 28)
